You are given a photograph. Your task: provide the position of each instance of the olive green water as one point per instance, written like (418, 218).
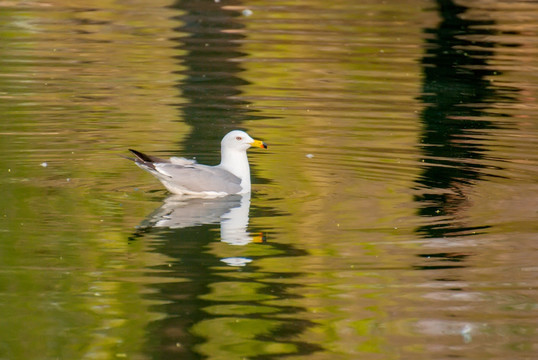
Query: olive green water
(393, 215)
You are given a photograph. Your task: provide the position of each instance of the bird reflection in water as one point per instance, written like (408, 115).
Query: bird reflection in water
(231, 212)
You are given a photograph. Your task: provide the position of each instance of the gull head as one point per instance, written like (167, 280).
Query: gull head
(240, 141)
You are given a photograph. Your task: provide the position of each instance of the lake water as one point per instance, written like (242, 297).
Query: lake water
(393, 216)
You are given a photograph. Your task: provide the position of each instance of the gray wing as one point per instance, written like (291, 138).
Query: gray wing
(198, 178)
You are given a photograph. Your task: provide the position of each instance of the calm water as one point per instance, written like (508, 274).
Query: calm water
(392, 217)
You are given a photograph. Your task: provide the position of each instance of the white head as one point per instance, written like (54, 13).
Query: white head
(240, 141)
(234, 155)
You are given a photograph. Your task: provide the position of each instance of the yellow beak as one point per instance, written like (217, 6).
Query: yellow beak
(258, 143)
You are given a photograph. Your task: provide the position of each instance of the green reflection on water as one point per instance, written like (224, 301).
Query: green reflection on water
(236, 291)
(235, 338)
(234, 309)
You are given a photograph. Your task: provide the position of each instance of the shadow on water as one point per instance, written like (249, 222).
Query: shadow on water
(456, 93)
(219, 302)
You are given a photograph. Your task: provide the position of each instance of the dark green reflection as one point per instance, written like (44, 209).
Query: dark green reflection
(212, 81)
(456, 93)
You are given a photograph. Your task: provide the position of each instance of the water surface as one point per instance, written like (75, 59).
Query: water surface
(393, 215)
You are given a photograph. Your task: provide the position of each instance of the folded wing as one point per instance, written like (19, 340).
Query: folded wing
(199, 178)
(183, 175)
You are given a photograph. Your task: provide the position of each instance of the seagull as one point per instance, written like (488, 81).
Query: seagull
(186, 177)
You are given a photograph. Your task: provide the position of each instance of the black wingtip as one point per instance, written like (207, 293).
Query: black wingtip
(141, 156)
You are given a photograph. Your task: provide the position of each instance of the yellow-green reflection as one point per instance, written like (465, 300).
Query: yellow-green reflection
(235, 338)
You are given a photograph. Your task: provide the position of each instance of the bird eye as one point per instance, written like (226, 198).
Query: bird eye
(239, 138)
